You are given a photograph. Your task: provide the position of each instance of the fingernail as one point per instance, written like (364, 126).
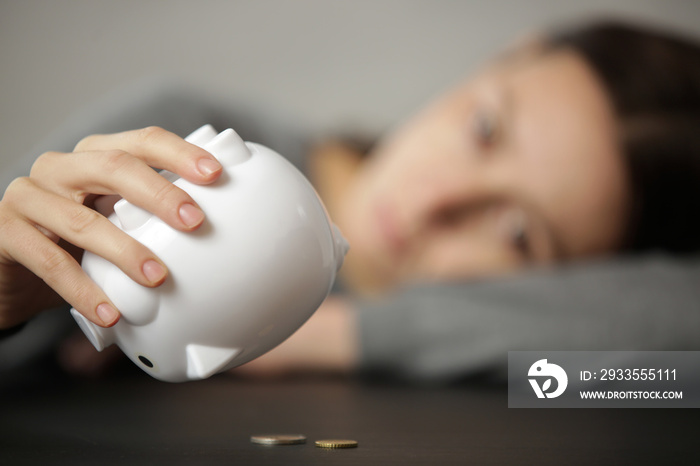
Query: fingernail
(208, 166)
(153, 271)
(191, 215)
(107, 314)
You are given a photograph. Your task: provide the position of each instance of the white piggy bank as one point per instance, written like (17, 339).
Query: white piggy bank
(252, 274)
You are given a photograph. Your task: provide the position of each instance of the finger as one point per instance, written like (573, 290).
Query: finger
(159, 148)
(77, 175)
(59, 270)
(87, 229)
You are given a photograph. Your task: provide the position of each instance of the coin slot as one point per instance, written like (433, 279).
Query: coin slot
(145, 361)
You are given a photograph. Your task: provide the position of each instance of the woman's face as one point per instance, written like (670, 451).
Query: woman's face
(517, 166)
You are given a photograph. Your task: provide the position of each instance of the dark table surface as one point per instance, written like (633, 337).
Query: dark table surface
(133, 419)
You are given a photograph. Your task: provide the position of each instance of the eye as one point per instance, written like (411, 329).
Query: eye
(516, 232)
(520, 240)
(485, 127)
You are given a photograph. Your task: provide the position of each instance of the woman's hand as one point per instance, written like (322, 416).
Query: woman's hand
(47, 219)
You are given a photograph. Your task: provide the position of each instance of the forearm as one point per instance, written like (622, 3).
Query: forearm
(327, 342)
(449, 331)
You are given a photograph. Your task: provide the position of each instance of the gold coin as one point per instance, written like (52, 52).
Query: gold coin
(278, 439)
(336, 443)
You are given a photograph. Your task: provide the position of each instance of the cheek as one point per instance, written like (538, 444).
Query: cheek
(396, 162)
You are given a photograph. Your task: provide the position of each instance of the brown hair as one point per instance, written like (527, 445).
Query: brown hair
(653, 80)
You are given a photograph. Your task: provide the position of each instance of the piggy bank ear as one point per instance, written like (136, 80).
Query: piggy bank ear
(228, 148)
(129, 215)
(205, 361)
(198, 137)
(100, 338)
(201, 136)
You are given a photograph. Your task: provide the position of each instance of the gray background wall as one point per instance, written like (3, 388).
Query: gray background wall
(361, 63)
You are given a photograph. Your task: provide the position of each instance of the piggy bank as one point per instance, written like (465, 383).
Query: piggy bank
(261, 264)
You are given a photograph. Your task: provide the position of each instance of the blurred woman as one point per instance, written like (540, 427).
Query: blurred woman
(575, 146)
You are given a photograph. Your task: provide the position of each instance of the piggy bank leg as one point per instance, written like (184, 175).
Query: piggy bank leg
(205, 361)
(94, 333)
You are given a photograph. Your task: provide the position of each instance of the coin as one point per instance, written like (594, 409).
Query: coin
(336, 443)
(278, 439)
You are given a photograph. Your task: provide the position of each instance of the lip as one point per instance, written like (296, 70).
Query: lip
(390, 232)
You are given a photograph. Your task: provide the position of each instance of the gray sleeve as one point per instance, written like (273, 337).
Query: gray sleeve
(450, 331)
